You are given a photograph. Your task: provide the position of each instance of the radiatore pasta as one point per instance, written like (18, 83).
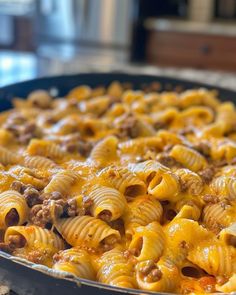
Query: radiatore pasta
(127, 187)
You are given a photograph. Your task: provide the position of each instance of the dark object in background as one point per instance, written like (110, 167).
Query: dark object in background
(152, 8)
(225, 9)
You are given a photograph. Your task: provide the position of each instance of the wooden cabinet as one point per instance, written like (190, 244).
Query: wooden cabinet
(183, 49)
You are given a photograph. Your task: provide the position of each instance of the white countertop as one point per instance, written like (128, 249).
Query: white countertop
(15, 67)
(211, 28)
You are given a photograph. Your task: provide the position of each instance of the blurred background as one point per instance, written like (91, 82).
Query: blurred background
(184, 38)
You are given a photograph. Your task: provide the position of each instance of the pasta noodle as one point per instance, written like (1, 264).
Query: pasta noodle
(188, 157)
(62, 182)
(104, 152)
(142, 211)
(168, 280)
(108, 203)
(123, 180)
(45, 148)
(216, 259)
(13, 209)
(135, 188)
(7, 157)
(75, 261)
(39, 162)
(34, 243)
(87, 231)
(115, 270)
(148, 242)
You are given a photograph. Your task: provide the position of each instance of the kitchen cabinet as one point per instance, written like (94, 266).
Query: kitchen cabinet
(186, 49)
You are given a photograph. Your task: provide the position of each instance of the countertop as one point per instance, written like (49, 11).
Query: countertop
(220, 28)
(15, 67)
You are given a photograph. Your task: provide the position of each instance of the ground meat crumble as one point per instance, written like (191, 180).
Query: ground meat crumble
(207, 174)
(151, 271)
(210, 199)
(129, 127)
(52, 206)
(168, 161)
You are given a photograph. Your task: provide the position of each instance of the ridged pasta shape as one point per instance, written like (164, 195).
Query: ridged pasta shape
(37, 243)
(6, 137)
(140, 145)
(168, 280)
(130, 96)
(7, 157)
(117, 110)
(229, 286)
(215, 129)
(105, 151)
(76, 261)
(96, 106)
(80, 93)
(148, 242)
(228, 170)
(13, 209)
(226, 113)
(188, 157)
(198, 97)
(6, 180)
(228, 235)
(148, 169)
(86, 231)
(166, 116)
(145, 129)
(191, 97)
(199, 115)
(29, 176)
(39, 162)
(218, 216)
(67, 125)
(108, 203)
(214, 257)
(168, 137)
(169, 98)
(91, 127)
(139, 107)
(152, 99)
(164, 186)
(190, 181)
(115, 89)
(62, 182)
(224, 186)
(188, 210)
(225, 150)
(142, 211)
(176, 231)
(39, 98)
(123, 180)
(115, 270)
(39, 147)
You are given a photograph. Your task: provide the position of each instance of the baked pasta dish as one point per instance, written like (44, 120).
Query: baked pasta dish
(132, 188)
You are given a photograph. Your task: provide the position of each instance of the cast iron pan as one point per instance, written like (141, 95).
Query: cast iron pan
(26, 278)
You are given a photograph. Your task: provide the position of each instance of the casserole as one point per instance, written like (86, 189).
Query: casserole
(28, 278)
